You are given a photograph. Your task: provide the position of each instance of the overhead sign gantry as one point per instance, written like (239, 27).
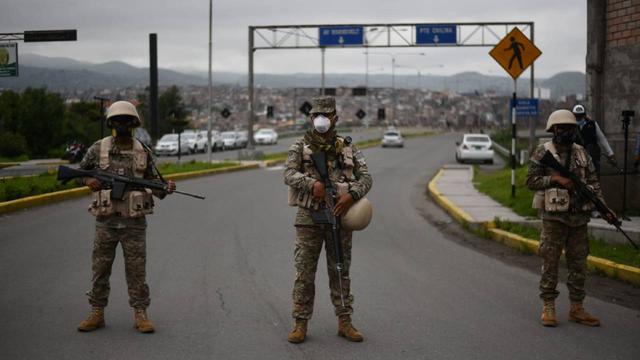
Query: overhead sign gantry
(378, 35)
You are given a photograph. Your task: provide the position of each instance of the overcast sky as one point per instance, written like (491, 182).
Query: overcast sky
(118, 30)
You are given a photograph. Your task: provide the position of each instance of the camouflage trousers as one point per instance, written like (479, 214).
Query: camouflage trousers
(556, 236)
(133, 242)
(309, 241)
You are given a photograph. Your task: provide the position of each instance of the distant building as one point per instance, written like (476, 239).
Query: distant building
(542, 93)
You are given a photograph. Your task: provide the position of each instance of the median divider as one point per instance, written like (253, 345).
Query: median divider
(57, 196)
(612, 269)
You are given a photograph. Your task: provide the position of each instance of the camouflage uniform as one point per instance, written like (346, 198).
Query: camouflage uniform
(563, 230)
(114, 229)
(310, 237)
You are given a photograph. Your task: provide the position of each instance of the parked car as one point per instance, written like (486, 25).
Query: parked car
(230, 140)
(202, 141)
(168, 145)
(243, 139)
(392, 138)
(266, 137)
(475, 147)
(189, 138)
(143, 136)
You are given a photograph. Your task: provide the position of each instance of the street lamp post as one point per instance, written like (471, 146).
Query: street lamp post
(393, 76)
(209, 101)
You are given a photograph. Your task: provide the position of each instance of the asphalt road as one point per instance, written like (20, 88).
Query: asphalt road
(221, 271)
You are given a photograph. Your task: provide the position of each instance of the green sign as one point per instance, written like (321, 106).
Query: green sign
(8, 59)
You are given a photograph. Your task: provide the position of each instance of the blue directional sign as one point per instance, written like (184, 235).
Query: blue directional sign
(526, 107)
(436, 34)
(341, 35)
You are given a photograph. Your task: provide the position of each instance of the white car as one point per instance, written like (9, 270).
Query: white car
(202, 141)
(475, 147)
(168, 145)
(189, 138)
(243, 139)
(266, 137)
(392, 138)
(230, 140)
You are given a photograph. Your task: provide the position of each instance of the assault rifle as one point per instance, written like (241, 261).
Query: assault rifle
(118, 184)
(584, 192)
(325, 214)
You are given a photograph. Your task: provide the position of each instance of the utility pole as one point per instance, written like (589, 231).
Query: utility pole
(322, 50)
(250, 87)
(209, 102)
(153, 85)
(102, 101)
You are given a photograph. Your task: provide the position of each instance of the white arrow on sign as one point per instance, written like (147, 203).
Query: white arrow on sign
(340, 40)
(436, 39)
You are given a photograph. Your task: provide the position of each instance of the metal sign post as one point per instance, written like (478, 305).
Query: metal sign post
(513, 138)
(515, 53)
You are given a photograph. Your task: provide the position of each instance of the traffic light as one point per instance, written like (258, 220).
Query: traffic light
(381, 114)
(270, 112)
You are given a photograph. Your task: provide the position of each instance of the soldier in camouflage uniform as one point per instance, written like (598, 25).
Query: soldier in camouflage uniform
(117, 221)
(349, 174)
(564, 216)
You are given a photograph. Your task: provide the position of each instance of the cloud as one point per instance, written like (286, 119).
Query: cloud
(118, 30)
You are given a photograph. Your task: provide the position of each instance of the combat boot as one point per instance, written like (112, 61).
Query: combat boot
(299, 332)
(94, 321)
(580, 315)
(346, 329)
(548, 317)
(142, 323)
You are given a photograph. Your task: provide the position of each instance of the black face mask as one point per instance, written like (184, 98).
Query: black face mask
(566, 137)
(121, 126)
(122, 130)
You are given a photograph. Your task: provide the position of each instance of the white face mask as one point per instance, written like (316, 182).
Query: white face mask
(321, 124)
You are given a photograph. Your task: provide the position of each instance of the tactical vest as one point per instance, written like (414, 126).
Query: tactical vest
(588, 138)
(341, 175)
(558, 199)
(131, 163)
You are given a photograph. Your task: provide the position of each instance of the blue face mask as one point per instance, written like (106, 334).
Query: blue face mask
(581, 122)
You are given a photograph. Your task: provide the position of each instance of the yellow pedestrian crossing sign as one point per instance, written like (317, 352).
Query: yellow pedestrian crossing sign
(515, 53)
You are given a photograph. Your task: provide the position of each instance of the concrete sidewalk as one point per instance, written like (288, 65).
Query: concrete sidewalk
(455, 183)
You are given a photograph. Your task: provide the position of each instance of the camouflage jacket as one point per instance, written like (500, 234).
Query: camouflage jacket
(539, 179)
(91, 161)
(298, 176)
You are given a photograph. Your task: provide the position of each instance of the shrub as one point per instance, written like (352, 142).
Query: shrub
(12, 144)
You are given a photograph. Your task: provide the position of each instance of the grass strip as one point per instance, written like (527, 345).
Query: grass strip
(20, 187)
(14, 159)
(619, 253)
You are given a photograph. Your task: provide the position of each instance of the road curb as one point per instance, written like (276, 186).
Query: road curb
(49, 198)
(460, 215)
(612, 269)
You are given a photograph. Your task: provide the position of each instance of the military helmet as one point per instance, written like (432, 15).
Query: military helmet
(561, 117)
(123, 108)
(323, 105)
(578, 110)
(358, 216)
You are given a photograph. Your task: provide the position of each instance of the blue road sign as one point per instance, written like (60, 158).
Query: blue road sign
(526, 107)
(436, 34)
(341, 35)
